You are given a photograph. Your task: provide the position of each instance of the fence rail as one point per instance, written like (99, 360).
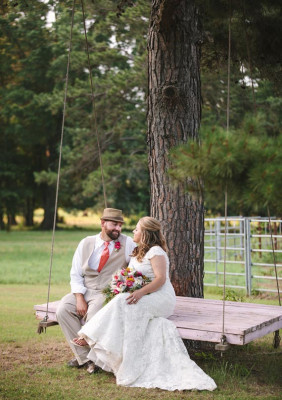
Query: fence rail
(250, 264)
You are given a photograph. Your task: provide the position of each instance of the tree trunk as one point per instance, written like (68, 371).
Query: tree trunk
(28, 214)
(49, 207)
(174, 112)
(12, 219)
(2, 223)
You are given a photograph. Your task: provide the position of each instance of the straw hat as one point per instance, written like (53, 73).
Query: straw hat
(112, 214)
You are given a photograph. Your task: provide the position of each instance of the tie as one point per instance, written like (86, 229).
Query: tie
(104, 257)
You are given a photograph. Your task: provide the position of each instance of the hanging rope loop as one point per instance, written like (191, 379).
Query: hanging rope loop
(223, 345)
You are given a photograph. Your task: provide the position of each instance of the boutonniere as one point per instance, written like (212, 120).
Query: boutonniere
(117, 246)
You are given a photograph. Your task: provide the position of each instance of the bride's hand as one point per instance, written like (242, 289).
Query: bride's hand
(134, 297)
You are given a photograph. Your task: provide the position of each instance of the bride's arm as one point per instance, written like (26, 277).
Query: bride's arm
(159, 268)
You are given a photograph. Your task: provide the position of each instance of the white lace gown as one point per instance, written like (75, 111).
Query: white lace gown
(138, 344)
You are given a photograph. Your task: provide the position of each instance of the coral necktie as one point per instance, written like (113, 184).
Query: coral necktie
(104, 257)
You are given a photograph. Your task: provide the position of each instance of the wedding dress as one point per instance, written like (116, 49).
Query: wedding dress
(138, 344)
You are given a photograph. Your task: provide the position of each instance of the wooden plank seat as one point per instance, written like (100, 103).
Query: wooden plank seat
(201, 319)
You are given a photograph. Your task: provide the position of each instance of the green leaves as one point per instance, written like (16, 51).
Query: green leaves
(250, 167)
(265, 176)
(46, 177)
(33, 61)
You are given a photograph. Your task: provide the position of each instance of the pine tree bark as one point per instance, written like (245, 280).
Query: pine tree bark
(174, 111)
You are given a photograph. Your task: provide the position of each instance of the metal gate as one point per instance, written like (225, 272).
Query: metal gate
(249, 255)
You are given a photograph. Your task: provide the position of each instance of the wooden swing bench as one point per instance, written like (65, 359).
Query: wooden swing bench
(201, 319)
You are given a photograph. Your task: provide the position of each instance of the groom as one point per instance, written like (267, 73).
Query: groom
(95, 260)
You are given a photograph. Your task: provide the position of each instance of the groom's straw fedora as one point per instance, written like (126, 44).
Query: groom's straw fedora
(112, 214)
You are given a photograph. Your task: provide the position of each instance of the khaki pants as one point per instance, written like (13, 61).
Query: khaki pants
(71, 323)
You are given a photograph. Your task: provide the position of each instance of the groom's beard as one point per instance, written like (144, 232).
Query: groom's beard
(113, 234)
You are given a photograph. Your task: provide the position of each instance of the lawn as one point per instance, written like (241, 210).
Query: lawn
(33, 366)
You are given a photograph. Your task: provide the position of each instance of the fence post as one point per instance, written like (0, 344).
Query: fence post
(242, 244)
(218, 239)
(248, 270)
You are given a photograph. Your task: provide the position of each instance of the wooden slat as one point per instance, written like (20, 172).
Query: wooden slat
(207, 336)
(41, 314)
(52, 306)
(217, 326)
(201, 319)
(204, 302)
(262, 331)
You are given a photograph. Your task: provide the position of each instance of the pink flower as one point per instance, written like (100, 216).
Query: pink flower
(129, 283)
(116, 291)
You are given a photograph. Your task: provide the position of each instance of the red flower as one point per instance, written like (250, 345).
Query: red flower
(117, 246)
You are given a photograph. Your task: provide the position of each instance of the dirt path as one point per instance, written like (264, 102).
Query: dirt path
(49, 354)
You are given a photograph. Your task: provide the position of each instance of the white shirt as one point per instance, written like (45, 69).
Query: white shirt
(77, 280)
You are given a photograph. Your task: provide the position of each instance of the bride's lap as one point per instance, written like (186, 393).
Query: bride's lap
(156, 304)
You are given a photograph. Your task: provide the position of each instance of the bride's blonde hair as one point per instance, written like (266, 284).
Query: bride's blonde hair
(151, 235)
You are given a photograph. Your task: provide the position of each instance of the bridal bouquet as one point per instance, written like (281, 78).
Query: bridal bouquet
(125, 280)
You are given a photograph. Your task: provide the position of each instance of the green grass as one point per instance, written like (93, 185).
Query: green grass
(25, 256)
(17, 318)
(32, 366)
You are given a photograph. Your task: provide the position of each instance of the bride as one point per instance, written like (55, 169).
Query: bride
(132, 337)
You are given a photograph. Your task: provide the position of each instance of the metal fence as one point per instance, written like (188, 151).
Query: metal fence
(249, 256)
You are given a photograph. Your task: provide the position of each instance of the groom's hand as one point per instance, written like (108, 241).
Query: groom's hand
(81, 305)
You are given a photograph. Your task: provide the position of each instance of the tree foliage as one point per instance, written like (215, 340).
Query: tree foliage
(33, 58)
(28, 128)
(247, 165)
(33, 62)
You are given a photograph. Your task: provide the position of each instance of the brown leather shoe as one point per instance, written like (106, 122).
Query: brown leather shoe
(91, 368)
(74, 363)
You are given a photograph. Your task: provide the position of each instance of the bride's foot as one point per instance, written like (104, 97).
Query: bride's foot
(79, 342)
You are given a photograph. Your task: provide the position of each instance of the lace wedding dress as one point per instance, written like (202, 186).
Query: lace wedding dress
(138, 344)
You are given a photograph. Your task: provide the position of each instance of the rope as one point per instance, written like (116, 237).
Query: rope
(59, 169)
(276, 338)
(274, 257)
(224, 344)
(43, 323)
(225, 199)
(224, 263)
(228, 73)
(94, 106)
